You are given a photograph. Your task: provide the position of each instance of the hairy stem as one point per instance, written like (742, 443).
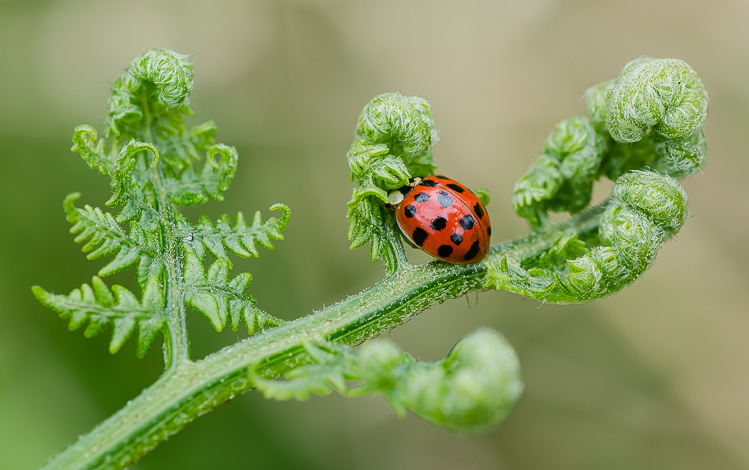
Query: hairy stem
(176, 344)
(177, 325)
(191, 389)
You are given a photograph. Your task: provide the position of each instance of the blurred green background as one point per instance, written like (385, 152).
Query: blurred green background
(652, 378)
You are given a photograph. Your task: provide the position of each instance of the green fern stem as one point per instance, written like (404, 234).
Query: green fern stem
(177, 344)
(193, 388)
(179, 350)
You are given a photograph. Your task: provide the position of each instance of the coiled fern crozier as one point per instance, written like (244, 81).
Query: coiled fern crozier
(643, 130)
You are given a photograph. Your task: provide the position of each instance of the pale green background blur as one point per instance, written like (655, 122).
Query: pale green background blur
(655, 377)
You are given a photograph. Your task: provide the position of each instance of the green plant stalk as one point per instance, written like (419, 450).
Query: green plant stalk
(180, 348)
(192, 388)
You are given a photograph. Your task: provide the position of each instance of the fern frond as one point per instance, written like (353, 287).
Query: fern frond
(105, 237)
(371, 163)
(331, 367)
(220, 299)
(562, 177)
(370, 221)
(122, 180)
(194, 187)
(165, 79)
(472, 389)
(98, 307)
(364, 217)
(154, 164)
(181, 150)
(646, 209)
(241, 239)
(92, 150)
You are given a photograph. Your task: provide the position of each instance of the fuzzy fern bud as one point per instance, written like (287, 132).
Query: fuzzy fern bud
(160, 79)
(562, 178)
(394, 139)
(663, 94)
(404, 124)
(652, 116)
(596, 102)
(471, 390)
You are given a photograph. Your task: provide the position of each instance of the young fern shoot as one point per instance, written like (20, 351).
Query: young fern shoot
(644, 129)
(154, 165)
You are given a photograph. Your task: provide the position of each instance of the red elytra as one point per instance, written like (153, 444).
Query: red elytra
(445, 219)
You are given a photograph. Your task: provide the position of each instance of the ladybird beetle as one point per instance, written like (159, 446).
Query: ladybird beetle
(445, 219)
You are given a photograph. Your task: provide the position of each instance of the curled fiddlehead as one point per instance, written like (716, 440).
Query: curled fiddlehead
(472, 389)
(645, 129)
(646, 208)
(394, 139)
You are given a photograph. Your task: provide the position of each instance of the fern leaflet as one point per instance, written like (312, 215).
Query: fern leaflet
(118, 308)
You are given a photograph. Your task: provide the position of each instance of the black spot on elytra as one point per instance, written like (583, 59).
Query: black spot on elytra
(429, 183)
(456, 238)
(467, 222)
(478, 210)
(445, 199)
(488, 230)
(455, 187)
(472, 252)
(439, 223)
(421, 197)
(409, 211)
(419, 236)
(445, 251)
(441, 177)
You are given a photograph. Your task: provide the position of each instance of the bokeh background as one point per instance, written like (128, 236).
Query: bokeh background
(655, 377)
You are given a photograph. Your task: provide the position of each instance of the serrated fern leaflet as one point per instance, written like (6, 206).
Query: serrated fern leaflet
(221, 299)
(238, 238)
(98, 307)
